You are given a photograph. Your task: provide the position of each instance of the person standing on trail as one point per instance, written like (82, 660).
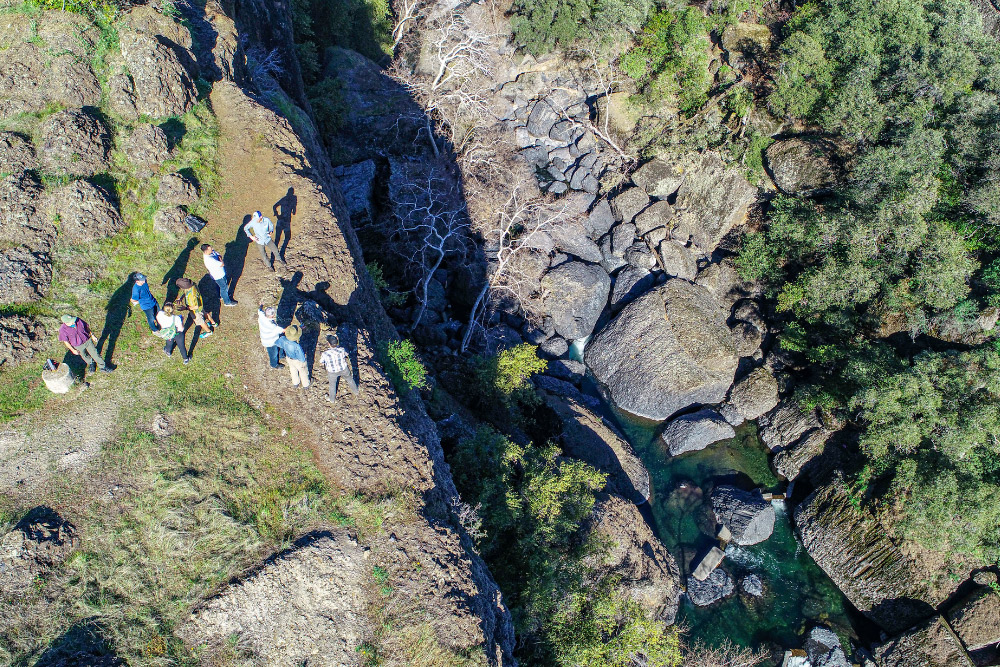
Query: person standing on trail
(337, 365)
(216, 269)
(191, 298)
(295, 356)
(76, 336)
(269, 334)
(142, 297)
(172, 330)
(261, 231)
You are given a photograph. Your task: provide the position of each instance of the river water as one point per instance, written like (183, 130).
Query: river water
(798, 595)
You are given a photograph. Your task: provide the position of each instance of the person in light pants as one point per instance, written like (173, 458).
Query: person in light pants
(294, 355)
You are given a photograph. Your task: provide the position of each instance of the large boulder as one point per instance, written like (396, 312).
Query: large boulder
(178, 190)
(656, 215)
(755, 395)
(629, 203)
(16, 154)
(147, 148)
(587, 437)
(860, 558)
(695, 431)
(976, 618)
(22, 218)
(572, 237)
(661, 176)
(678, 261)
(665, 351)
(824, 650)
(20, 339)
(74, 143)
(630, 283)
(357, 182)
(749, 518)
(930, 644)
(575, 296)
(600, 220)
(25, 275)
(796, 436)
(161, 84)
(647, 570)
(800, 166)
(715, 587)
(86, 213)
(711, 201)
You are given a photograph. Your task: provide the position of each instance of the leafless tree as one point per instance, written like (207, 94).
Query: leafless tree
(521, 225)
(408, 12)
(725, 655)
(433, 223)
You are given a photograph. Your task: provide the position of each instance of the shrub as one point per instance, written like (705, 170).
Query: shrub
(540, 25)
(404, 368)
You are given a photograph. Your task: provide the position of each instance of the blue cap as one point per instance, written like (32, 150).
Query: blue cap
(139, 278)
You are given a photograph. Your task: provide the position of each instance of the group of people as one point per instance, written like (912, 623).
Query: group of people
(167, 322)
(283, 342)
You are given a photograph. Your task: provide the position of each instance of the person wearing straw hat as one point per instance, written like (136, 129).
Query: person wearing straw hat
(142, 297)
(295, 356)
(75, 334)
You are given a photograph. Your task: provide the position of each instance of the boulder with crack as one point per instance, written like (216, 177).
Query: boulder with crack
(665, 351)
(711, 201)
(801, 166)
(716, 586)
(748, 517)
(930, 644)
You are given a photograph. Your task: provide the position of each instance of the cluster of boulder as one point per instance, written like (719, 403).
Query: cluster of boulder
(152, 75)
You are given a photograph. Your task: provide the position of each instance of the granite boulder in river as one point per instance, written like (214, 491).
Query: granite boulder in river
(749, 518)
(665, 351)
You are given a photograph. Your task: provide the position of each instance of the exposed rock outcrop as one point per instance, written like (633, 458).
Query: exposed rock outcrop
(695, 431)
(22, 219)
(16, 154)
(86, 212)
(796, 436)
(20, 339)
(161, 84)
(25, 275)
(748, 517)
(74, 143)
(824, 650)
(976, 618)
(39, 541)
(32, 78)
(587, 437)
(711, 201)
(647, 570)
(147, 148)
(755, 394)
(177, 190)
(800, 166)
(858, 556)
(665, 351)
(307, 605)
(931, 644)
(575, 296)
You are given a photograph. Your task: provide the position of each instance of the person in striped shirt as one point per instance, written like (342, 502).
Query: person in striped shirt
(337, 365)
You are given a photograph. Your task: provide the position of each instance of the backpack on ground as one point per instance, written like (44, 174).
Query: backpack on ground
(194, 223)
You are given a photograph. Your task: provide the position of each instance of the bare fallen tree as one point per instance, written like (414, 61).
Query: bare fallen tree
(725, 655)
(433, 223)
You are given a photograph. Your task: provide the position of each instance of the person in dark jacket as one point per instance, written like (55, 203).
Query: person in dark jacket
(142, 297)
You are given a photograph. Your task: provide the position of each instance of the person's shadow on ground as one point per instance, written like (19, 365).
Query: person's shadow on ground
(211, 297)
(117, 310)
(283, 210)
(235, 256)
(289, 299)
(177, 270)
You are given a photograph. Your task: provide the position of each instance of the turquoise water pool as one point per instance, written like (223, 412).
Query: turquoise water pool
(798, 594)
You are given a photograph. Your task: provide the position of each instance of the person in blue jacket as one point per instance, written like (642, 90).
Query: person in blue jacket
(142, 297)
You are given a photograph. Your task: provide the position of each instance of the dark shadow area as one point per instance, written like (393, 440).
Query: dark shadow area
(82, 645)
(211, 297)
(289, 300)
(283, 210)
(174, 129)
(118, 308)
(177, 270)
(235, 256)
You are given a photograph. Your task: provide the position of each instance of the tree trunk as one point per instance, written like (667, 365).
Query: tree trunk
(467, 336)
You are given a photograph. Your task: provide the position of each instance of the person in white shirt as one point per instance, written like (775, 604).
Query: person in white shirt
(261, 231)
(171, 329)
(216, 269)
(269, 334)
(337, 365)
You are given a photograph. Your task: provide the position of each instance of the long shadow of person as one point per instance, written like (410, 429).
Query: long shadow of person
(210, 296)
(117, 310)
(283, 210)
(289, 299)
(235, 256)
(177, 270)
